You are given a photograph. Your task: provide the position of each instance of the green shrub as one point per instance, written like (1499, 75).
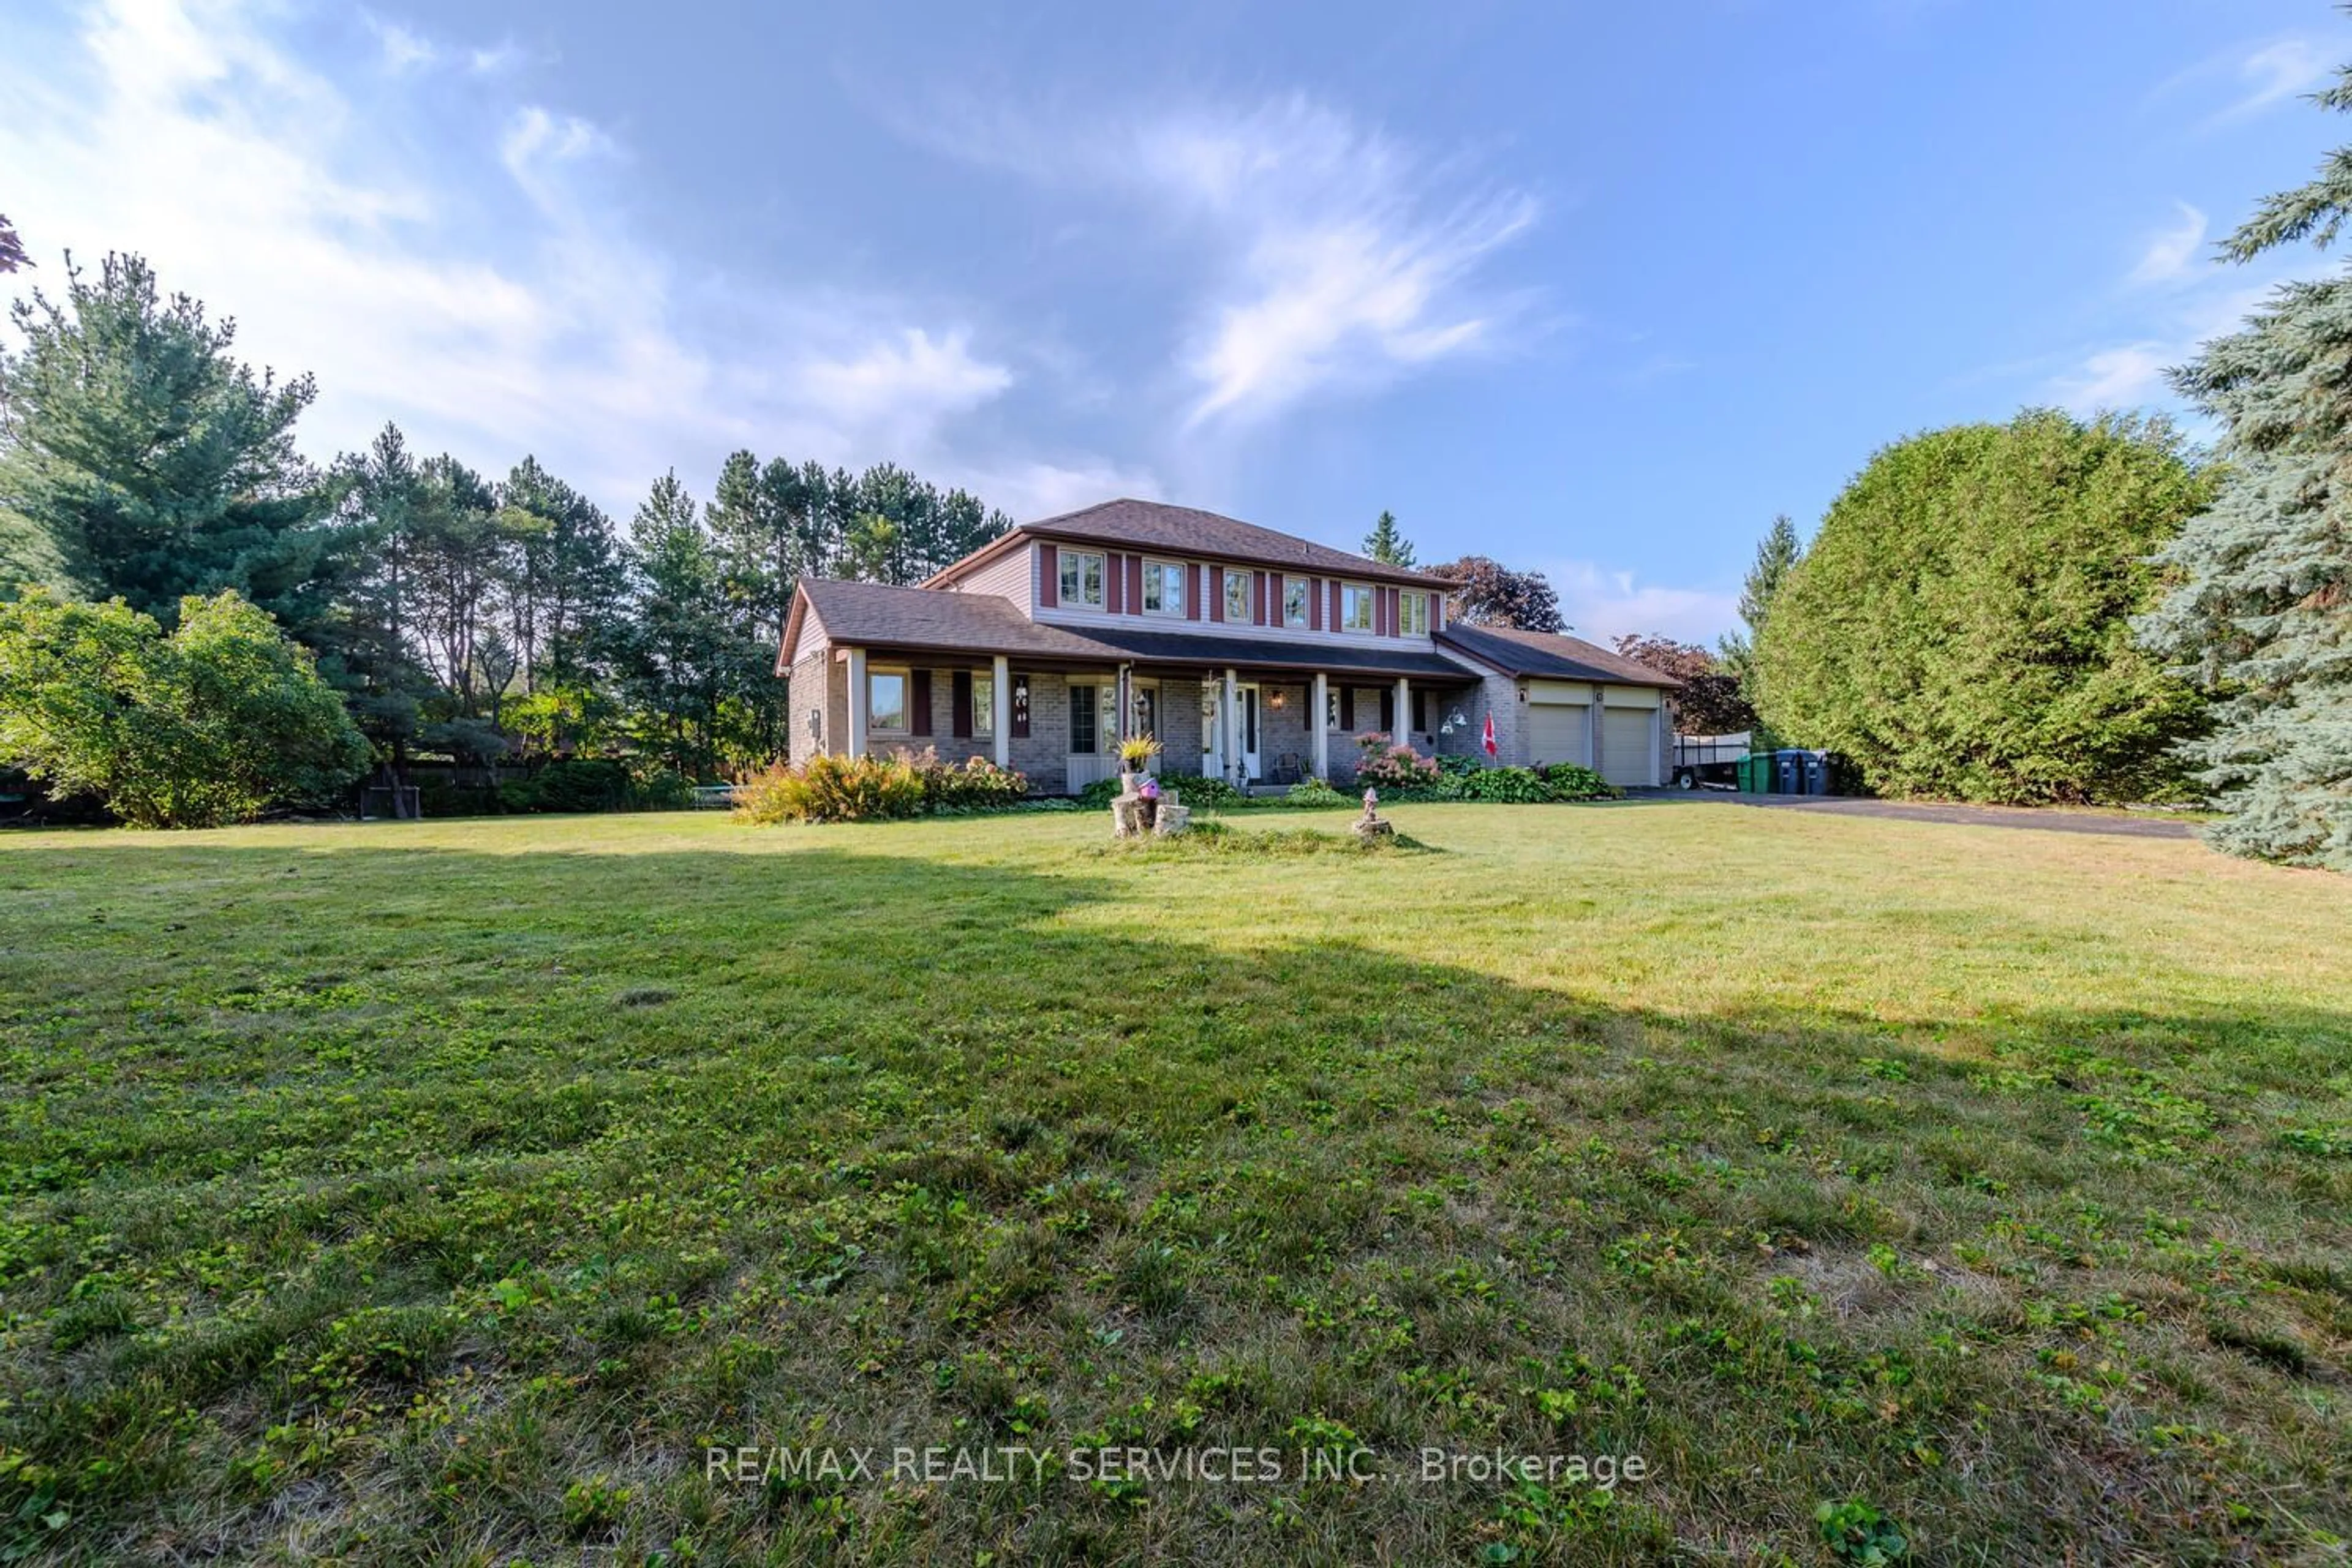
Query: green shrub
(974, 785)
(1514, 787)
(659, 789)
(1100, 794)
(215, 722)
(1313, 792)
(1198, 789)
(829, 788)
(1570, 782)
(580, 783)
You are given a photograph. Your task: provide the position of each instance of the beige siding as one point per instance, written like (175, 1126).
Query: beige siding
(1011, 575)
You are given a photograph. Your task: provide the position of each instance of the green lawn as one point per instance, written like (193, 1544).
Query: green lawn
(441, 1191)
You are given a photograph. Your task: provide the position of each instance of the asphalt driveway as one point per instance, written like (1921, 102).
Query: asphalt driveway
(2046, 819)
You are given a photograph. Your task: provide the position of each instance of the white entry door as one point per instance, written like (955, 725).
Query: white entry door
(1213, 730)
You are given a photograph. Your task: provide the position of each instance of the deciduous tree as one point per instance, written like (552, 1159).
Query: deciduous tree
(1492, 594)
(1709, 702)
(213, 722)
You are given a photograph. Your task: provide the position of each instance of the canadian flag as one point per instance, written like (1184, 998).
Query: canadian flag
(1489, 742)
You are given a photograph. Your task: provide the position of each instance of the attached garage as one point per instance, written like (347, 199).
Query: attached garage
(1562, 700)
(1559, 723)
(1629, 746)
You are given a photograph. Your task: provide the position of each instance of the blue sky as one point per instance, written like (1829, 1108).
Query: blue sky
(1595, 289)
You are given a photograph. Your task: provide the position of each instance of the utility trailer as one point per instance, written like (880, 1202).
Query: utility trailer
(1710, 761)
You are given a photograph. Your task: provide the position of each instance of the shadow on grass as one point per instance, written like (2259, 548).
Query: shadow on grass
(391, 1202)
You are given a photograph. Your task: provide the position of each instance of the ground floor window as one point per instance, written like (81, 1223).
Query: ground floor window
(1094, 719)
(983, 705)
(886, 699)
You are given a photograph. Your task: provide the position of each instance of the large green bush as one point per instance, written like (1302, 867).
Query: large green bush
(1961, 627)
(213, 723)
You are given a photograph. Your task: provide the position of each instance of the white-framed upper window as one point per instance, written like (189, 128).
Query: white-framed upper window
(1355, 607)
(1163, 588)
(1412, 614)
(1237, 595)
(886, 700)
(1082, 578)
(983, 706)
(1295, 594)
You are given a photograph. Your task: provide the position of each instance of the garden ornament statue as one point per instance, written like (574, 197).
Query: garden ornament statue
(1372, 824)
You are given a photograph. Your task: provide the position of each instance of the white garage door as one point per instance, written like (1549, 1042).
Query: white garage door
(1559, 732)
(1629, 746)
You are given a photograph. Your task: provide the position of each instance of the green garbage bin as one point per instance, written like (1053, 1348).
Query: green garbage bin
(1756, 773)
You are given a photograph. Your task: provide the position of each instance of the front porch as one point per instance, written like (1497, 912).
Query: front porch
(1252, 727)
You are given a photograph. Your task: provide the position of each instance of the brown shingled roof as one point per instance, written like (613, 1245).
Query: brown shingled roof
(878, 613)
(1550, 655)
(1155, 525)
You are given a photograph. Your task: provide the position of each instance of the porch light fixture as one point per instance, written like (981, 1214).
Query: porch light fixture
(1453, 722)
(1274, 699)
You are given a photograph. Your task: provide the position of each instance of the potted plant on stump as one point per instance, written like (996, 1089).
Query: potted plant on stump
(1135, 755)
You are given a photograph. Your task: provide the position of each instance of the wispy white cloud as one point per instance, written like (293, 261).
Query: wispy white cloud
(404, 47)
(2125, 377)
(2276, 71)
(500, 304)
(1326, 257)
(1601, 602)
(2172, 253)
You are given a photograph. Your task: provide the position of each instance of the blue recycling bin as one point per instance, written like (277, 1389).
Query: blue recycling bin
(1797, 772)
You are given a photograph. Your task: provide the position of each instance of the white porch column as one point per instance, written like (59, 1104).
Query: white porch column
(1000, 705)
(1401, 732)
(857, 702)
(1319, 705)
(1230, 729)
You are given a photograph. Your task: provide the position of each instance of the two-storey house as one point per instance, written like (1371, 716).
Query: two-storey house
(1251, 655)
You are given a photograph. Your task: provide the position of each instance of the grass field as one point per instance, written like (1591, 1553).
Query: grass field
(443, 1191)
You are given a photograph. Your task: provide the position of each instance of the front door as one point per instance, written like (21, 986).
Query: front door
(1212, 730)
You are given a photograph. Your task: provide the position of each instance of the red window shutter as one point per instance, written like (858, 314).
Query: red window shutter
(960, 706)
(1257, 598)
(1114, 582)
(919, 698)
(1396, 612)
(1347, 709)
(1437, 613)
(1273, 589)
(1135, 585)
(1049, 581)
(1315, 604)
(1336, 597)
(1216, 577)
(1192, 591)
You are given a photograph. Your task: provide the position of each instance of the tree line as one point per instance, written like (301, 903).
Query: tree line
(453, 612)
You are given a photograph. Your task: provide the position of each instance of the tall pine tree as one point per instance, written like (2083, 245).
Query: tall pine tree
(2262, 612)
(1386, 543)
(140, 459)
(1778, 551)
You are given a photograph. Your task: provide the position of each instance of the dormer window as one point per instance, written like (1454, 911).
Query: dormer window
(1355, 607)
(1163, 588)
(1412, 614)
(1081, 578)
